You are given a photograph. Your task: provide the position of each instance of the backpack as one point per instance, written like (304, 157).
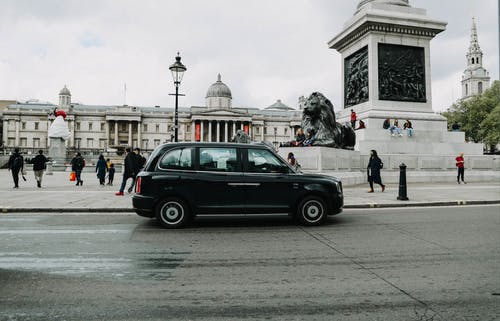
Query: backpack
(17, 162)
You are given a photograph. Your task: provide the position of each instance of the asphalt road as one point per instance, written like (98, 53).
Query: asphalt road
(392, 264)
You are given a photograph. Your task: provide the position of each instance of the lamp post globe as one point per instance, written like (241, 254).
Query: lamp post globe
(177, 69)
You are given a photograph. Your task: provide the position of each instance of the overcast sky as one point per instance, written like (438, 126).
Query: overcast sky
(265, 50)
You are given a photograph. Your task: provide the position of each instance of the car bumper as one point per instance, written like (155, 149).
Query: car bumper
(336, 203)
(143, 205)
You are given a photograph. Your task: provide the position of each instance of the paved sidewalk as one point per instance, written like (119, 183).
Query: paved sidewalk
(58, 194)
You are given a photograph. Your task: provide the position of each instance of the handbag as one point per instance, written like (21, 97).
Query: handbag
(72, 176)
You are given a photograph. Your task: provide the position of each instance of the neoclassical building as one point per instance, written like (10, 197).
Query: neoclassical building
(101, 127)
(475, 79)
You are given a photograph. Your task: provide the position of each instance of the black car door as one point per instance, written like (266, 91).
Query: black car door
(220, 186)
(269, 187)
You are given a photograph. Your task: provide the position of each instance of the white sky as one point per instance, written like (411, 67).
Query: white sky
(264, 49)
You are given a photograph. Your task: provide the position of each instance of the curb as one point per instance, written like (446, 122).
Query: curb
(5, 210)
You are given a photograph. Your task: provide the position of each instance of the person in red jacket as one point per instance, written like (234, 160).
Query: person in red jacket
(353, 118)
(461, 168)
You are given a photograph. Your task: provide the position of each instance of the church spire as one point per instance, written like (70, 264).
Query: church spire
(474, 43)
(475, 79)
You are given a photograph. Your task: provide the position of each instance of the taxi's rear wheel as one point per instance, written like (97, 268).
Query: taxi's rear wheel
(312, 211)
(172, 213)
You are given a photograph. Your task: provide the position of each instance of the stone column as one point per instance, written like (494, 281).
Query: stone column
(250, 130)
(139, 135)
(202, 129)
(209, 130)
(130, 133)
(225, 132)
(5, 133)
(241, 125)
(193, 130)
(234, 128)
(262, 133)
(107, 134)
(218, 132)
(116, 133)
(17, 133)
(292, 134)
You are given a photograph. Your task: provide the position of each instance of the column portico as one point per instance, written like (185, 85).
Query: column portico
(209, 131)
(225, 132)
(218, 132)
(202, 130)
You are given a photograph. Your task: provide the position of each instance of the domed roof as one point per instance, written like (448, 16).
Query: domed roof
(219, 89)
(65, 91)
(278, 105)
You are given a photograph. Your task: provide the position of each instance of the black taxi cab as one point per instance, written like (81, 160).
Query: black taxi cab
(184, 180)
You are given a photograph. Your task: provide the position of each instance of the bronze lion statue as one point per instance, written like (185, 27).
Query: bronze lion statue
(318, 116)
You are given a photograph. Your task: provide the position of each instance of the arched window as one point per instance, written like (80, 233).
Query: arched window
(472, 60)
(480, 87)
(477, 60)
(466, 90)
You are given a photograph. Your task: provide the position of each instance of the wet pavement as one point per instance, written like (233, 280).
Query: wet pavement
(432, 263)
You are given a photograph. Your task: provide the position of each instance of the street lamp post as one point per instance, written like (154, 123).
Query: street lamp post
(177, 70)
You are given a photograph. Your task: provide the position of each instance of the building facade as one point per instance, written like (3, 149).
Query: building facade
(475, 79)
(104, 128)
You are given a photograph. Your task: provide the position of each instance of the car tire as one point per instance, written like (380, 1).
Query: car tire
(312, 211)
(172, 213)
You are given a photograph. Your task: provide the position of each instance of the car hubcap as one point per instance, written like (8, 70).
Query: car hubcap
(172, 212)
(313, 210)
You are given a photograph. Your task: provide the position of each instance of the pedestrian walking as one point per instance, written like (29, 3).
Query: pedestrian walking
(374, 166)
(353, 118)
(77, 165)
(16, 165)
(128, 170)
(460, 163)
(101, 168)
(111, 173)
(39, 166)
(139, 162)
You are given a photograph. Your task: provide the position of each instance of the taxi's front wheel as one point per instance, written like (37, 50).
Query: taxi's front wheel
(312, 211)
(172, 213)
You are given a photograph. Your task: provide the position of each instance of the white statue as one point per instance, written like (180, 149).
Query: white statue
(59, 128)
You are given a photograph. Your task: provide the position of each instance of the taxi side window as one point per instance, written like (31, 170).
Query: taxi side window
(262, 161)
(219, 159)
(177, 159)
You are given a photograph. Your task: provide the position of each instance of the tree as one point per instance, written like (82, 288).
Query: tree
(479, 117)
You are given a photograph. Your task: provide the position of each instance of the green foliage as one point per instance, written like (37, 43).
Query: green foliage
(479, 117)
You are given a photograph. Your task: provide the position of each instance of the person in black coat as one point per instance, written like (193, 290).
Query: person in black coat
(128, 170)
(374, 166)
(16, 165)
(39, 166)
(77, 165)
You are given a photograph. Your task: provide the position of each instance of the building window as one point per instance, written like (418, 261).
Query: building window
(144, 144)
(265, 130)
(36, 125)
(157, 142)
(257, 130)
(23, 125)
(90, 126)
(90, 142)
(480, 87)
(157, 129)
(12, 141)
(36, 142)
(24, 142)
(102, 126)
(124, 127)
(466, 90)
(102, 143)
(145, 127)
(78, 126)
(286, 131)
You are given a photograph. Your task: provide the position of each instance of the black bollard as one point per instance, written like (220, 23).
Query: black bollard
(402, 183)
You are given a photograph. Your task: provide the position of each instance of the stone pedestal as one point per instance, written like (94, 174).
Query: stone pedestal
(57, 152)
(386, 73)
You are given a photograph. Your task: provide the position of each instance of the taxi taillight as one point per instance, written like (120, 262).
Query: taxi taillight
(138, 185)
